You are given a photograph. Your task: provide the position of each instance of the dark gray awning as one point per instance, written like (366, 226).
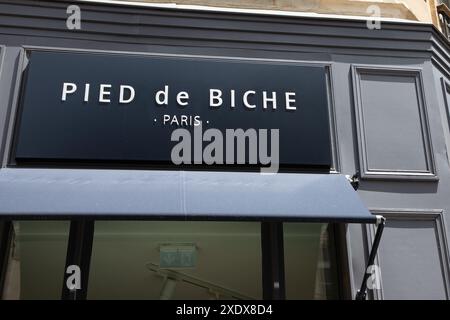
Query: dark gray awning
(180, 195)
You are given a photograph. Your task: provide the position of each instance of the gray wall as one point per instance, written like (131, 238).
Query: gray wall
(389, 97)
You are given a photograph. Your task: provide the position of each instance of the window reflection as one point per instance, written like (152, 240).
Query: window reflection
(176, 260)
(36, 260)
(310, 261)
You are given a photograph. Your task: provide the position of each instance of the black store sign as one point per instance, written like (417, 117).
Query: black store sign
(122, 109)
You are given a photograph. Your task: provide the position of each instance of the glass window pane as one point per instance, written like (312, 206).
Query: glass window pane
(36, 260)
(310, 261)
(176, 260)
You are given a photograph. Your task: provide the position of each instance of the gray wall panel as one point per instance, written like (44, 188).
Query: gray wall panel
(413, 256)
(413, 245)
(445, 108)
(392, 145)
(392, 124)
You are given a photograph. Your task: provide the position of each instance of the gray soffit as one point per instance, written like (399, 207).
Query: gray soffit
(33, 23)
(181, 195)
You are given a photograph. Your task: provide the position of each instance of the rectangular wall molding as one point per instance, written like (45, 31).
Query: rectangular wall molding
(415, 219)
(336, 162)
(446, 96)
(389, 149)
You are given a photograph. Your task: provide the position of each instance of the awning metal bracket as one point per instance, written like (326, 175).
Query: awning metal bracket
(362, 292)
(354, 180)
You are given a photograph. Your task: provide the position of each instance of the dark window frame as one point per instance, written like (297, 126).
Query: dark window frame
(79, 251)
(5, 246)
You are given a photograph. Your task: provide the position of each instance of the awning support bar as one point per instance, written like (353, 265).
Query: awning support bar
(362, 292)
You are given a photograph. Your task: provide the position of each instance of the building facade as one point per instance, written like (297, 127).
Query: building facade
(385, 83)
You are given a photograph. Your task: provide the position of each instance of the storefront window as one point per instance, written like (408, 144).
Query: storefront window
(310, 261)
(171, 260)
(36, 260)
(176, 260)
